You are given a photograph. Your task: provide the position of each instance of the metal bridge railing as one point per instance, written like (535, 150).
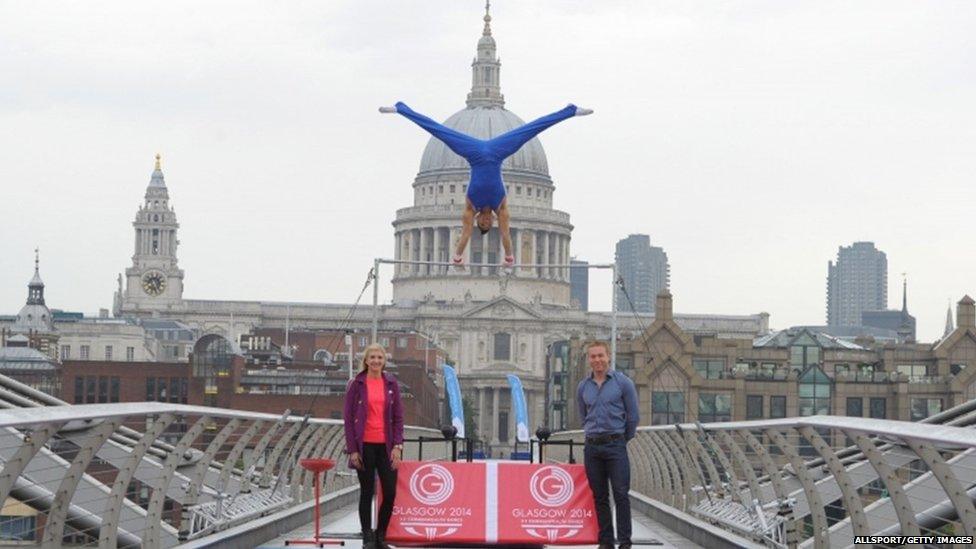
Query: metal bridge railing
(157, 475)
(814, 481)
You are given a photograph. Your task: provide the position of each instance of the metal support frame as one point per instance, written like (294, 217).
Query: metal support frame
(107, 538)
(154, 515)
(903, 507)
(57, 516)
(613, 283)
(852, 502)
(957, 495)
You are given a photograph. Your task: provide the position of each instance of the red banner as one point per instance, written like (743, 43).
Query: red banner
(439, 502)
(549, 504)
(492, 502)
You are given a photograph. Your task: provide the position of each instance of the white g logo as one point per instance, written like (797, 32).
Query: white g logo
(551, 486)
(431, 484)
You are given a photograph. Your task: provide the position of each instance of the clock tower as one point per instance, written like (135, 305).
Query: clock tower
(154, 282)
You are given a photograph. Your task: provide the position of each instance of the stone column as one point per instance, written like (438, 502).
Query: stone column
(494, 415)
(517, 248)
(484, 251)
(424, 241)
(481, 412)
(436, 256)
(396, 253)
(544, 272)
(415, 249)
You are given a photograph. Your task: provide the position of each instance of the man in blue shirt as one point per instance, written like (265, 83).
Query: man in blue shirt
(607, 402)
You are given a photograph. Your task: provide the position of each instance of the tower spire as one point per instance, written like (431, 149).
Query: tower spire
(949, 328)
(35, 288)
(486, 70)
(157, 179)
(904, 293)
(487, 31)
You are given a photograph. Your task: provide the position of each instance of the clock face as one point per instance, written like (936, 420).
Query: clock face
(153, 283)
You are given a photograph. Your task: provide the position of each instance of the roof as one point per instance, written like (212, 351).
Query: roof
(484, 123)
(24, 358)
(784, 338)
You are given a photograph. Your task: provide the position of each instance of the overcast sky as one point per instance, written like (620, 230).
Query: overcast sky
(749, 139)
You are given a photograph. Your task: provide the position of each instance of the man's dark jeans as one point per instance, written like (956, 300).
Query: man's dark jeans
(609, 462)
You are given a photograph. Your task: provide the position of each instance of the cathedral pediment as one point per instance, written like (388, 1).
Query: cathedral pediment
(502, 308)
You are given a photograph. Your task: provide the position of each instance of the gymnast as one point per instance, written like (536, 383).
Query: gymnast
(486, 191)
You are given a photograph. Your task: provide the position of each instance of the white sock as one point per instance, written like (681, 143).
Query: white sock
(388, 110)
(580, 111)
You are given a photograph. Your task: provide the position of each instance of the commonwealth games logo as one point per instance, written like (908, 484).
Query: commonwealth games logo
(551, 486)
(432, 484)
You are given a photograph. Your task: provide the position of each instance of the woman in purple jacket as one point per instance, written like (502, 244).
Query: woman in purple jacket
(374, 439)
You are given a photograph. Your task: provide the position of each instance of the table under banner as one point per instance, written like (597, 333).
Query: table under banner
(492, 503)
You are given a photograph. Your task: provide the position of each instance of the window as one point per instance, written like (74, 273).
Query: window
(502, 346)
(538, 193)
(65, 352)
(855, 407)
(385, 342)
(363, 341)
(914, 372)
(667, 408)
(714, 407)
(804, 352)
(102, 389)
(452, 188)
(85, 349)
(841, 369)
(14, 528)
(401, 343)
(878, 408)
(754, 406)
(925, 407)
(440, 189)
(814, 389)
(90, 385)
(150, 388)
(108, 352)
(956, 369)
(777, 407)
(79, 390)
(113, 394)
(711, 368)
(518, 189)
(130, 353)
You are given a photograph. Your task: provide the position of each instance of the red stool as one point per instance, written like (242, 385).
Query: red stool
(317, 466)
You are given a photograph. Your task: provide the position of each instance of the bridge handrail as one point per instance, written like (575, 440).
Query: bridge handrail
(814, 481)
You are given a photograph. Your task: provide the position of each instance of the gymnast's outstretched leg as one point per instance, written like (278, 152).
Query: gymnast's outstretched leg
(461, 144)
(511, 141)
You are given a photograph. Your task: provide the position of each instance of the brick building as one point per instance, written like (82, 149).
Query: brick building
(683, 377)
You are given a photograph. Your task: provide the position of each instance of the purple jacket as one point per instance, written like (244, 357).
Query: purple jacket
(354, 415)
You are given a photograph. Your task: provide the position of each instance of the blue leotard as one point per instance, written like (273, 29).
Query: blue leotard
(486, 156)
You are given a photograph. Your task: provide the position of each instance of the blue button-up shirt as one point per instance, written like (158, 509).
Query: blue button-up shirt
(610, 408)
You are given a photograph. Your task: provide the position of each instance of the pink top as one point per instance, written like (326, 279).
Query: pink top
(376, 401)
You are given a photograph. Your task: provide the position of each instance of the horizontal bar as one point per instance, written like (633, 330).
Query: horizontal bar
(26, 417)
(522, 265)
(895, 429)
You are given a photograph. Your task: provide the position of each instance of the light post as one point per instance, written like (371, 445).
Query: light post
(349, 347)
